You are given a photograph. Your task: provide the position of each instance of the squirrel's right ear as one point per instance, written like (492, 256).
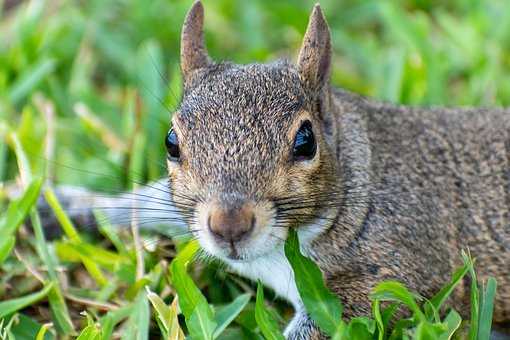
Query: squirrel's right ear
(315, 55)
(193, 52)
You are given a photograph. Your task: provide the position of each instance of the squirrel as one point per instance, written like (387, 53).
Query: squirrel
(376, 191)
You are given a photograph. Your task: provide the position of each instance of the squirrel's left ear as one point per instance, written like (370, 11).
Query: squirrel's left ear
(193, 52)
(315, 55)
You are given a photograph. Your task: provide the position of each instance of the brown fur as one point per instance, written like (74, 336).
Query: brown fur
(408, 188)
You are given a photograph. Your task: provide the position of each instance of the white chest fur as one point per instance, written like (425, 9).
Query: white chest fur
(274, 271)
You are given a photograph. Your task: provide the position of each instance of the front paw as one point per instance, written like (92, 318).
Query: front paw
(302, 327)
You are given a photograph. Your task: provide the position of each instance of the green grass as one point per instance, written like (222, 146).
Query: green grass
(86, 92)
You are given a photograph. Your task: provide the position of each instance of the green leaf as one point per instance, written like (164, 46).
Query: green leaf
(139, 319)
(189, 294)
(18, 209)
(428, 331)
(226, 314)
(59, 311)
(452, 322)
(42, 331)
(63, 219)
(265, 321)
(396, 291)
(323, 306)
(163, 312)
(360, 328)
(26, 328)
(30, 79)
(376, 312)
(201, 323)
(91, 332)
(473, 324)
(166, 317)
(438, 299)
(112, 318)
(14, 305)
(486, 309)
(6, 246)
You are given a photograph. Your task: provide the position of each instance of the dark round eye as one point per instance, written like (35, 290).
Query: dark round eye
(172, 146)
(304, 143)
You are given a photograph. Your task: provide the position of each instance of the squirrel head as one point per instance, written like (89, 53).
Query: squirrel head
(252, 149)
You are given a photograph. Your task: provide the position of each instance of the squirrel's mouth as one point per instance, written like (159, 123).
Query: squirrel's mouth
(234, 254)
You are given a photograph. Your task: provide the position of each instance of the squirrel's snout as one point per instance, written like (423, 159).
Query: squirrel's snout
(231, 224)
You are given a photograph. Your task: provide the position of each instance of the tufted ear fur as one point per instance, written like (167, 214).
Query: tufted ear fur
(315, 55)
(193, 52)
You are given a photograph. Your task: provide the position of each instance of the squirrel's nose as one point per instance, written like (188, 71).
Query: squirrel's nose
(231, 224)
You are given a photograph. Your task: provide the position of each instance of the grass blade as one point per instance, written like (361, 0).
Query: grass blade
(486, 309)
(438, 299)
(14, 305)
(226, 314)
(30, 79)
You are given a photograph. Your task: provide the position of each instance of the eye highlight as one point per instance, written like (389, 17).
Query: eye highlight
(172, 146)
(305, 145)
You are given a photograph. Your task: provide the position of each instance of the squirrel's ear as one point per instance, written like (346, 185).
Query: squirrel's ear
(193, 51)
(315, 55)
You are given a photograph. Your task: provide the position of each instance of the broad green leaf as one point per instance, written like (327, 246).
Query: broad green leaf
(14, 305)
(323, 306)
(199, 315)
(486, 309)
(428, 331)
(452, 322)
(201, 323)
(187, 253)
(265, 321)
(226, 314)
(5, 331)
(91, 332)
(138, 323)
(26, 328)
(360, 328)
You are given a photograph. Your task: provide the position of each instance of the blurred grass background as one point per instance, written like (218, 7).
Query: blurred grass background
(89, 86)
(119, 60)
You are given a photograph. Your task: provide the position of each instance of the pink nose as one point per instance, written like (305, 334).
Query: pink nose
(231, 224)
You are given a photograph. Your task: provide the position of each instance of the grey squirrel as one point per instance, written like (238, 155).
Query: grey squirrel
(376, 191)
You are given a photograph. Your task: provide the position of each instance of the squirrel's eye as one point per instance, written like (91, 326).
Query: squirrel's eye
(172, 146)
(304, 143)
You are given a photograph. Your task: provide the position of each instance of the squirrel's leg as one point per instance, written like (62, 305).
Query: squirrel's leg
(302, 327)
